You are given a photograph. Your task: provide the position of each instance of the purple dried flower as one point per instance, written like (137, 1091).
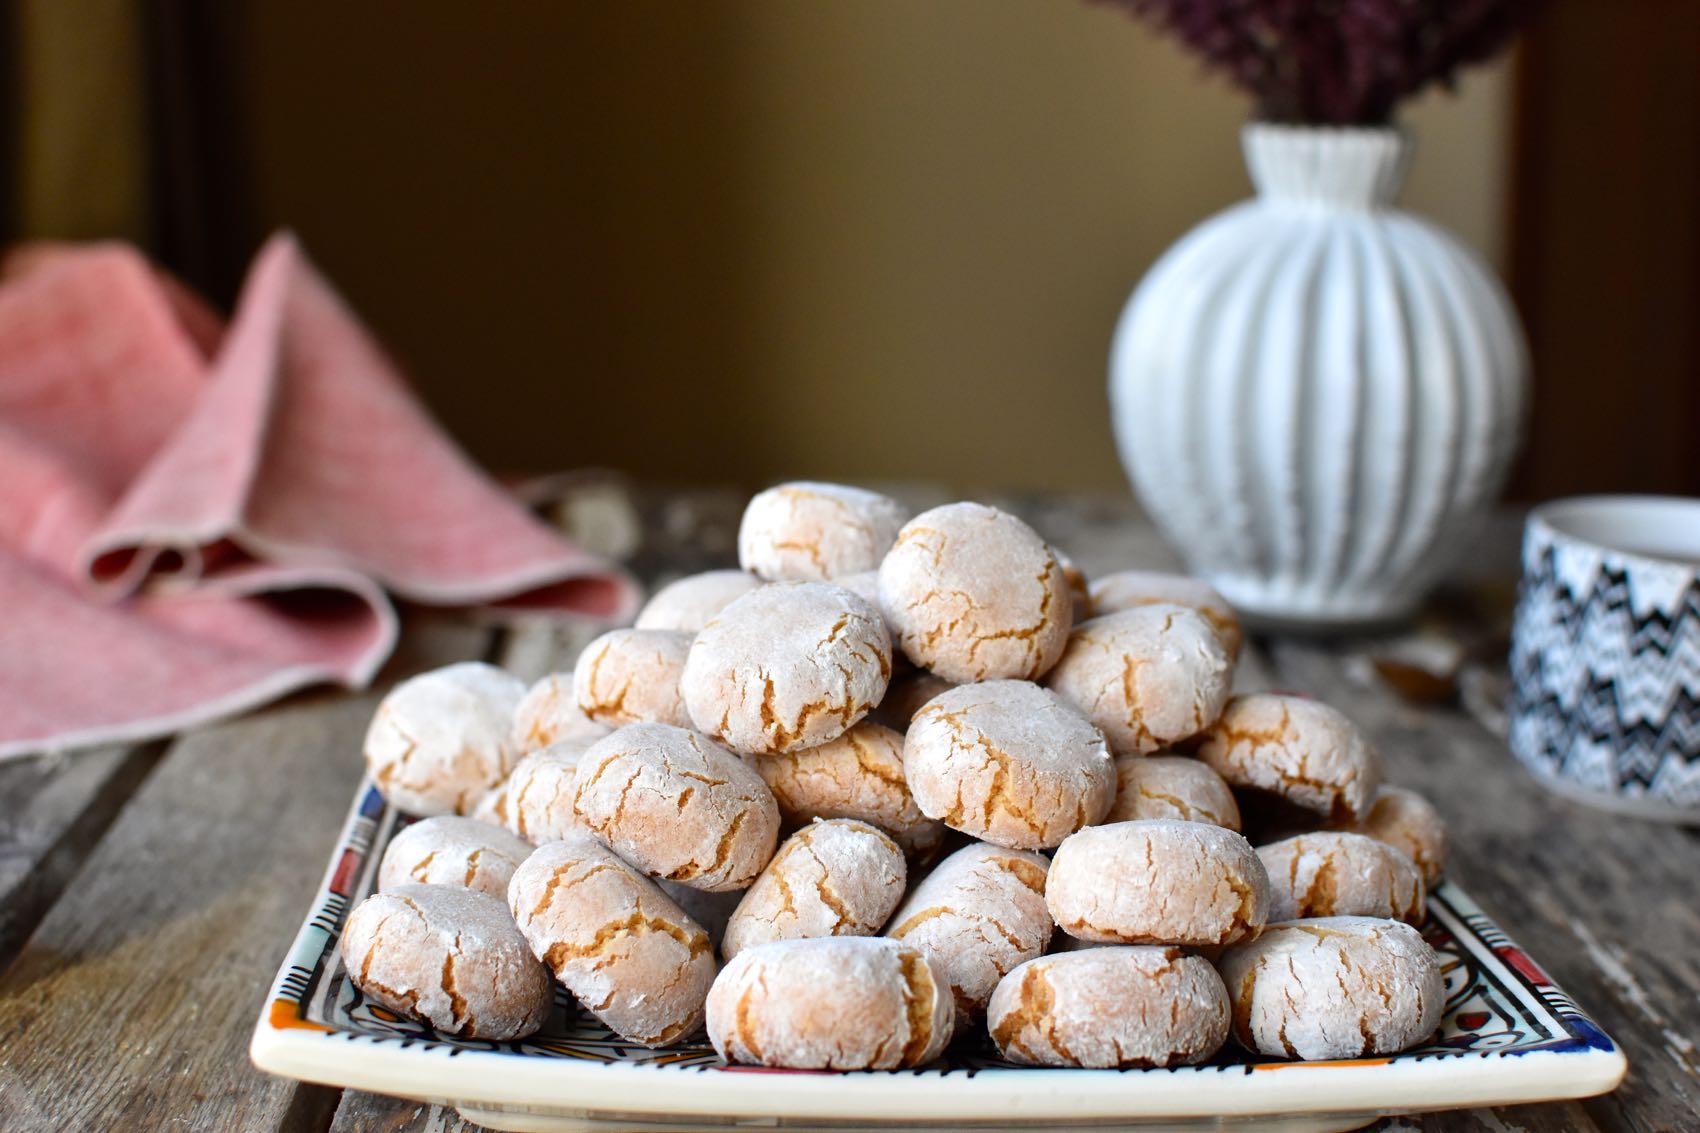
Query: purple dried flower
(1337, 62)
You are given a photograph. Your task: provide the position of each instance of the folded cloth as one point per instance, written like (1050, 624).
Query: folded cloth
(197, 519)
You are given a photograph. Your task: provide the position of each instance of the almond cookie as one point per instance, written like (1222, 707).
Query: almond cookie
(677, 805)
(786, 667)
(630, 676)
(537, 800)
(908, 694)
(1148, 677)
(810, 532)
(549, 714)
(1171, 786)
(1110, 1008)
(1128, 589)
(1335, 987)
(1079, 590)
(858, 775)
(837, 877)
(973, 594)
(1174, 883)
(1008, 762)
(449, 957)
(440, 740)
(689, 603)
(613, 939)
(837, 1003)
(1337, 874)
(975, 917)
(1302, 750)
(449, 850)
(1408, 822)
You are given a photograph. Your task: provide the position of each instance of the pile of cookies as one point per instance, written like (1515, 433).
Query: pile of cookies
(875, 772)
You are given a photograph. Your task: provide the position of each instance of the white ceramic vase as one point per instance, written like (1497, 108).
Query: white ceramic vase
(1314, 393)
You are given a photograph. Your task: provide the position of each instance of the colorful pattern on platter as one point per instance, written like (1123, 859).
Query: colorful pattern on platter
(1498, 1002)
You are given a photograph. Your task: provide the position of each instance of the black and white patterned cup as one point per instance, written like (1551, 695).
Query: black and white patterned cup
(1605, 653)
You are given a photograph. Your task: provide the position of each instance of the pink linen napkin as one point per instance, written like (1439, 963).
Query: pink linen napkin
(196, 519)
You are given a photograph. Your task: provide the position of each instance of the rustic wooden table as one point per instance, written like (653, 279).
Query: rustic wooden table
(147, 894)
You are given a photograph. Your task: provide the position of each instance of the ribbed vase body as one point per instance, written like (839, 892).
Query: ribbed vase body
(1315, 394)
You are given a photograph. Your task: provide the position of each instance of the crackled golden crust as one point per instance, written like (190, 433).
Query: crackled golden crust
(1302, 750)
(1129, 589)
(1008, 762)
(1110, 1007)
(1408, 822)
(439, 740)
(1336, 873)
(687, 604)
(809, 532)
(536, 801)
(630, 955)
(549, 714)
(678, 806)
(629, 676)
(1172, 786)
(1149, 677)
(1158, 881)
(447, 956)
(973, 594)
(858, 775)
(834, 1003)
(786, 667)
(976, 916)
(450, 850)
(836, 877)
(1334, 987)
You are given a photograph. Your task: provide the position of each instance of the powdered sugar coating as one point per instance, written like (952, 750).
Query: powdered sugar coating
(787, 667)
(439, 740)
(1303, 750)
(450, 850)
(687, 604)
(1008, 762)
(858, 775)
(536, 802)
(1335, 873)
(835, 1003)
(1158, 881)
(447, 956)
(549, 714)
(628, 676)
(677, 805)
(975, 917)
(809, 532)
(1172, 786)
(1334, 987)
(1108, 1008)
(1148, 677)
(613, 939)
(1129, 589)
(1408, 822)
(974, 594)
(837, 877)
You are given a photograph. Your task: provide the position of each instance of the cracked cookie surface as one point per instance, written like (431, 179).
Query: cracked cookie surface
(835, 1003)
(836, 877)
(439, 740)
(1158, 881)
(450, 850)
(1148, 677)
(1408, 822)
(687, 604)
(549, 714)
(536, 801)
(858, 775)
(447, 956)
(973, 594)
(1309, 754)
(1172, 786)
(1336, 873)
(1334, 987)
(629, 676)
(809, 531)
(1110, 1008)
(786, 667)
(1008, 762)
(677, 806)
(626, 950)
(1129, 589)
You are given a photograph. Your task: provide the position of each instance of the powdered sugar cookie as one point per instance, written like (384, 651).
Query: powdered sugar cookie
(1334, 873)
(440, 740)
(1407, 822)
(536, 802)
(629, 676)
(908, 694)
(689, 603)
(1302, 750)
(858, 775)
(450, 850)
(837, 877)
(810, 532)
(1128, 589)
(1171, 786)
(549, 714)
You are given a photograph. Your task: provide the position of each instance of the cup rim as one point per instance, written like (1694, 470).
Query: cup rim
(1579, 519)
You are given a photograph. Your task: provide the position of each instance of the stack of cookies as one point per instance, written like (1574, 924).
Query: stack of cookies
(905, 777)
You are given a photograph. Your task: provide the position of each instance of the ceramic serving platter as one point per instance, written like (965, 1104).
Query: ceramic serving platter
(1509, 1036)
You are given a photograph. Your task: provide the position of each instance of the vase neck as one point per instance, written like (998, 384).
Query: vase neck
(1340, 167)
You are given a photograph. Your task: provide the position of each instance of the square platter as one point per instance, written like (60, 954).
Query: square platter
(1509, 1035)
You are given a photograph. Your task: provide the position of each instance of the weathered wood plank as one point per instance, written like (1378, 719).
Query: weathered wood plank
(361, 1112)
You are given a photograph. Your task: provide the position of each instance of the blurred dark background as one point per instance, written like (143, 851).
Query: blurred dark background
(867, 239)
